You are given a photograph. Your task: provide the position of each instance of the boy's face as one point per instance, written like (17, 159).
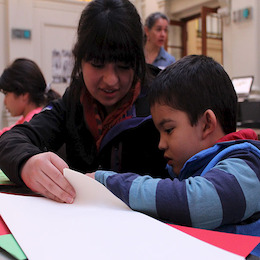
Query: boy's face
(178, 138)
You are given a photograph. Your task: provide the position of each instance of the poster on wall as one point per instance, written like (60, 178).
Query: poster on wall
(62, 65)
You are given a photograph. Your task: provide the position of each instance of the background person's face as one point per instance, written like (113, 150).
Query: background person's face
(108, 83)
(15, 104)
(158, 33)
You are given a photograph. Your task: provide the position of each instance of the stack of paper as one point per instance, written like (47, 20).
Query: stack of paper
(96, 226)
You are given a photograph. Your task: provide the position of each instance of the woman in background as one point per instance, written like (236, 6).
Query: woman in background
(156, 29)
(25, 90)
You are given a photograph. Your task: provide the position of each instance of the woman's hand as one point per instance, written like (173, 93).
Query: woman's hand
(43, 173)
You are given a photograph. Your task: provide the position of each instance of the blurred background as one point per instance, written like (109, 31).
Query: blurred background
(44, 31)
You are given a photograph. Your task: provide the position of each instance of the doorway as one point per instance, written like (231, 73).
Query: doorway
(197, 34)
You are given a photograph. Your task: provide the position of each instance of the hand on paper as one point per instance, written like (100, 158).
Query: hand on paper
(91, 175)
(43, 173)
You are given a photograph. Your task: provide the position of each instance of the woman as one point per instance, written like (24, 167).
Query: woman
(156, 29)
(25, 90)
(103, 117)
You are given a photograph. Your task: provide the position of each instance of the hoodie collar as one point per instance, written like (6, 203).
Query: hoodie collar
(239, 135)
(199, 161)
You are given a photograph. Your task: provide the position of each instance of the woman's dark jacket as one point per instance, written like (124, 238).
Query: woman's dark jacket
(130, 146)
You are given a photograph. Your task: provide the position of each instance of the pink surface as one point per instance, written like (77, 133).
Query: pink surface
(238, 244)
(4, 230)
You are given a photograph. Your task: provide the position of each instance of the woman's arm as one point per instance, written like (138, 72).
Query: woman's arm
(24, 155)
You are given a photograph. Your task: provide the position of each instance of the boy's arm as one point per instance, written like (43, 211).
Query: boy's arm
(138, 192)
(228, 193)
(141, 193)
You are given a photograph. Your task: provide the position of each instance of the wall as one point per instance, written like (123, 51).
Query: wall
(145, 7)
(3, 49)
(241, 43)
(185, 8)
(53, 25)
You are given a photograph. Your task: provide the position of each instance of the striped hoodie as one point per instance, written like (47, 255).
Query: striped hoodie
(217, 188)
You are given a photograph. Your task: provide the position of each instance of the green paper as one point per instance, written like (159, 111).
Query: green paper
(9, 244)
(4, 179)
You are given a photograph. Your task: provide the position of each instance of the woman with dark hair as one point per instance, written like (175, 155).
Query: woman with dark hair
(103, 117)
(156, 30)
(25, 90)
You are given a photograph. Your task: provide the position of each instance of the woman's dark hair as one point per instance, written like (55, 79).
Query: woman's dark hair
(194, 84)
(110, 31)
(24, 76)
(151, 20)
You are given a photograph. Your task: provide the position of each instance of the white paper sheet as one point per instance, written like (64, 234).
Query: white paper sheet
(91, 192)
(105, 229)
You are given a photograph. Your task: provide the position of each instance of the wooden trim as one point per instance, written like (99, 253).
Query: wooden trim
(183, 26)
(189, 18)
(204, 12)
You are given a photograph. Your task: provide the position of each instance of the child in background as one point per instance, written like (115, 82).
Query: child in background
(215, 170)
(25, 90)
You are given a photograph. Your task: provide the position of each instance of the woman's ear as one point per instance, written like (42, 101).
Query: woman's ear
(146, 31)
(209, 123)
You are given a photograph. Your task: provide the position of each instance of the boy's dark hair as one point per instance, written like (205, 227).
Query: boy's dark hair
(24, 76)
(110, 31)
(194, 84)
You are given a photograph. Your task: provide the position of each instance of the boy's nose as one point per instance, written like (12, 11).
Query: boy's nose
(162, 144)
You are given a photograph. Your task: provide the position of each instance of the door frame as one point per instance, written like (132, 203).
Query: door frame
(183, 24)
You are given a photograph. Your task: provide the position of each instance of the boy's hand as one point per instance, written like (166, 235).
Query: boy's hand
(43, 173)
(91, 175)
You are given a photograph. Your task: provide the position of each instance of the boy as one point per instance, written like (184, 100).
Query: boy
(215, 170)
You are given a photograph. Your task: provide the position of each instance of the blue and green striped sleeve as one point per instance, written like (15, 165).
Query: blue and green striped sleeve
(138, 192)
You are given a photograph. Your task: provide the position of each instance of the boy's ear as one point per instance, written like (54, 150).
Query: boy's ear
(26, 96)
(209, 123)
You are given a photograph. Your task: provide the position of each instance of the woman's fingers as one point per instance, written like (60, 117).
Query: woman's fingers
(43, 173)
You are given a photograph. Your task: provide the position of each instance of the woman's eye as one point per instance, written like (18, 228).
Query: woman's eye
(124, 66)
(169, 130)
(97, 65)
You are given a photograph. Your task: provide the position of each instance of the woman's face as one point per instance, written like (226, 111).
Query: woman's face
(108, 83)
(157, 35)
(15, 104)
